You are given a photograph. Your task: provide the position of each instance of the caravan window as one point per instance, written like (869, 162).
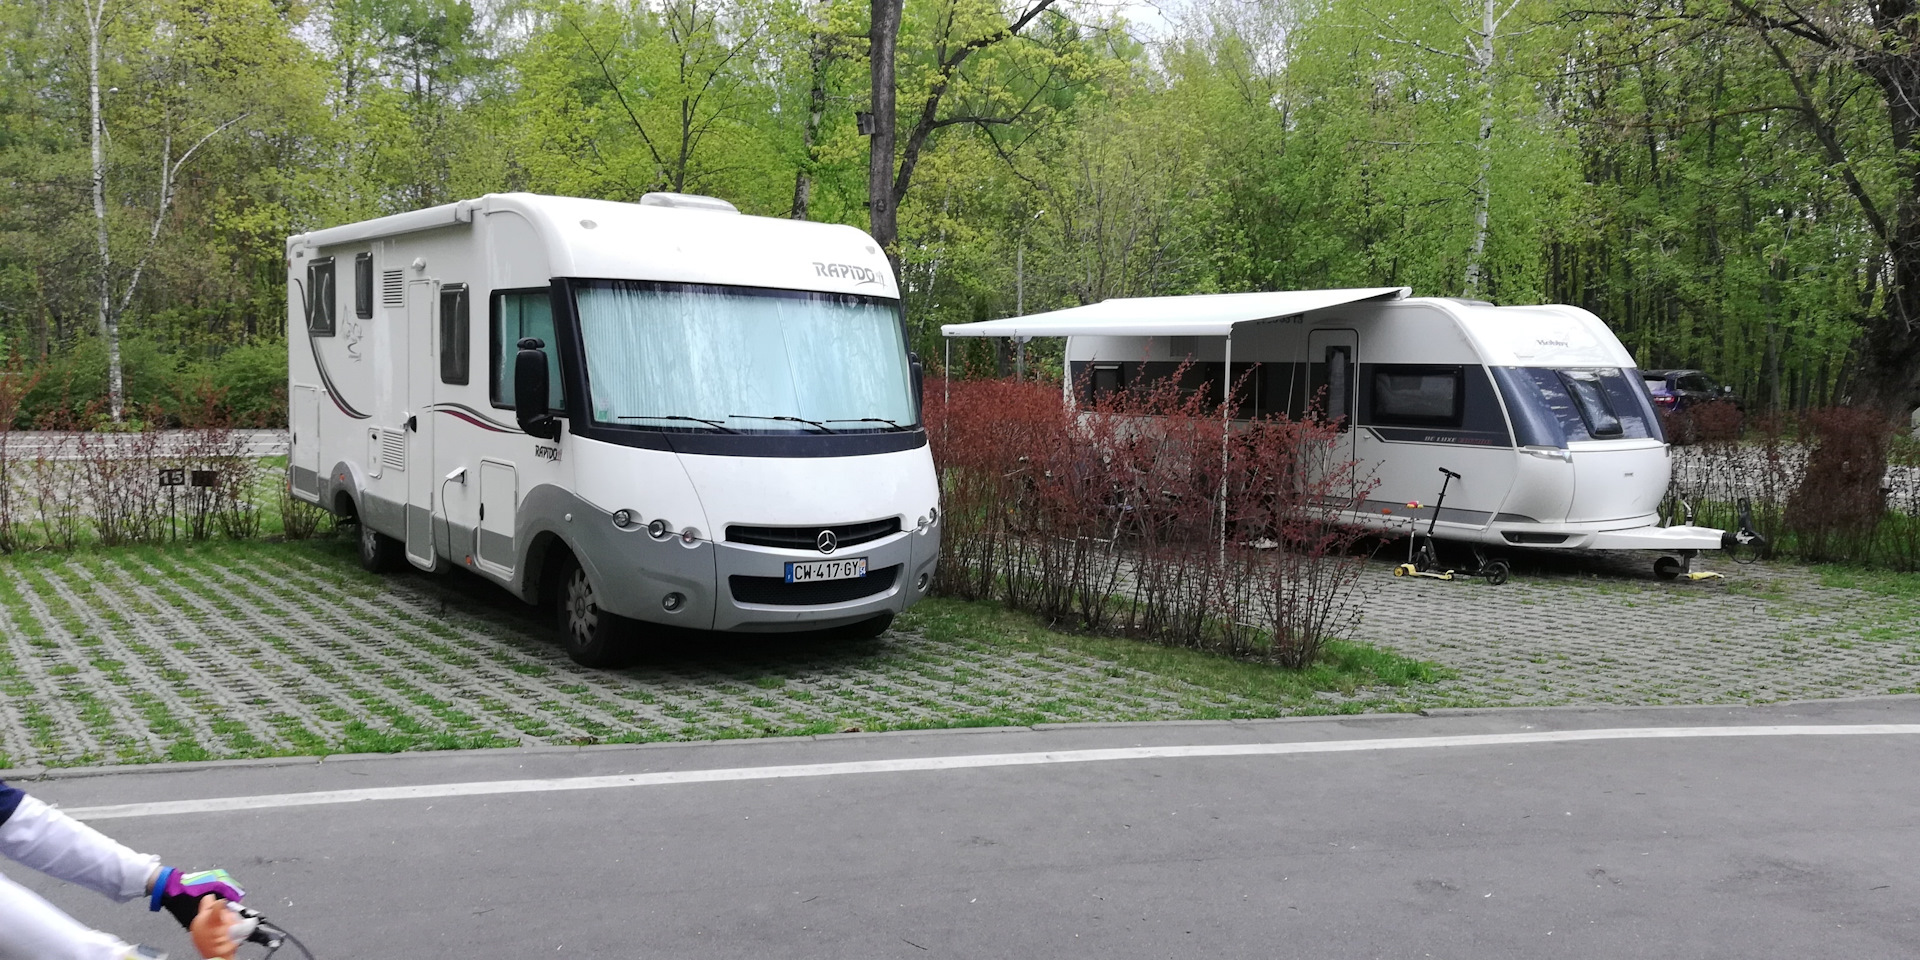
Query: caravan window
(1588, 398)
(1106, 379)
(1330, 386)
(320, 297)
(516, 314)
(1601, 403)
(1417, 396)
(455, 344)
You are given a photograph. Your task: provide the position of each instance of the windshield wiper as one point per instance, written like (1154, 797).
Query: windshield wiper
(890, 423)
(717, 425)
(823, 428)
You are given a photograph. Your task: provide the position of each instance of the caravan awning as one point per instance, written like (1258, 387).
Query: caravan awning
(1204, 315)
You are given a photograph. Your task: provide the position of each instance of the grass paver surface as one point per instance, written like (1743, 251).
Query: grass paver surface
(248, 649)
(253, 649)
(1601, 630)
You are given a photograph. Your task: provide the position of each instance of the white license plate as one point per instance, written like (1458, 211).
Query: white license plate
(811, 570)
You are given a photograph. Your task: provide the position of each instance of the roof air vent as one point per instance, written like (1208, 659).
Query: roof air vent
(687, 201)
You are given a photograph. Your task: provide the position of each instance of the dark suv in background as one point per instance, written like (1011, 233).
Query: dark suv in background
(1676, 390)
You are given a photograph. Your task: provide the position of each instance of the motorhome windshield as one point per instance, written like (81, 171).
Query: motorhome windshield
(722, 359)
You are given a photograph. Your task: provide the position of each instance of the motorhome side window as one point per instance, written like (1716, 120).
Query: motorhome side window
(517, 314)
(1417, 395)
(455, 341)
(363, 286)
(320, 297)
(1107, 379)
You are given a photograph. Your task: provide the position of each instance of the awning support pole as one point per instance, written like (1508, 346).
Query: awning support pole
(1226, 434)
(946, 393)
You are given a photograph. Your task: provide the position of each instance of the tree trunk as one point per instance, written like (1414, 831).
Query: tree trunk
(817, 60)
(1483, 147)
(96, 142)
(882, 218)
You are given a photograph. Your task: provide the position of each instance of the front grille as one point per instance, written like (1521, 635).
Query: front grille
(808, 538)
(777, 591)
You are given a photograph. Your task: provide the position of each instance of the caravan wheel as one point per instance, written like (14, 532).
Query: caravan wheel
(590, 635)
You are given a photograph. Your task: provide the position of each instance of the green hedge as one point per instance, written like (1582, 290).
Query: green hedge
(244, 385)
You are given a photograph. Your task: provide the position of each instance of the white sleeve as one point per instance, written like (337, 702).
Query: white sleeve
(33, 929)
(57, 845)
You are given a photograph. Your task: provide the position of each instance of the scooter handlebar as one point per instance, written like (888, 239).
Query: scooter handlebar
(1450, 473)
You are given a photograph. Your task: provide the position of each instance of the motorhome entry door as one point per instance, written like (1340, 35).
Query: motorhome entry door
(422, 371)
(1331, 356)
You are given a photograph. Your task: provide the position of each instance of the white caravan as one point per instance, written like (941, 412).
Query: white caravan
(1539, 410)
(657, 412)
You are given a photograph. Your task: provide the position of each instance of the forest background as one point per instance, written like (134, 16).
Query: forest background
(1723, 184)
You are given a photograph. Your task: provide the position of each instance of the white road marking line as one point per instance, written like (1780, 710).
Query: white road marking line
(168, 808)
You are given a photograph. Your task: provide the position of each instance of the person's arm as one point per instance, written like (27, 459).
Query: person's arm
(36, 835)
(33, 929)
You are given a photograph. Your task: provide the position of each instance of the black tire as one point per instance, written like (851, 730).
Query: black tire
(591, 636)
(1497, 572)
(866, 629)
(379, 553)
(1667, 568)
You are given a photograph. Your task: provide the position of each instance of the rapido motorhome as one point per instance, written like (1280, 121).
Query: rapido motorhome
(1538, 409)
(656, 412)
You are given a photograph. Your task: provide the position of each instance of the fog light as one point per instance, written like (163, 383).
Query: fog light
(921, 584)
(689, 535)
(672, 602)
(623, 518)
(658, 529)
(933, 514)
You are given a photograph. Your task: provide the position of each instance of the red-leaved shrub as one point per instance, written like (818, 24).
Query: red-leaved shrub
(1144, 513)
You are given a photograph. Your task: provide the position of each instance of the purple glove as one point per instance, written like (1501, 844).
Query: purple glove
(180, 892)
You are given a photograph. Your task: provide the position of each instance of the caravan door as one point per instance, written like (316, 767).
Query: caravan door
(1330, 380)
(421, 374)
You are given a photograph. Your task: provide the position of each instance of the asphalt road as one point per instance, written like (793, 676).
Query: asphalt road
(1790, 846)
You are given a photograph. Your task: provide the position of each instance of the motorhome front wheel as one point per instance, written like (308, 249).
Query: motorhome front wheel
(591, 636)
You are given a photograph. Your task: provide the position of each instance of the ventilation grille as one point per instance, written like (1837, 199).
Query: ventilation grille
(808, 538)
(778, 592)
(393, 289)
(393, 450)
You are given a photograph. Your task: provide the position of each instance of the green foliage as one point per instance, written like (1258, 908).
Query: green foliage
(1656, 171)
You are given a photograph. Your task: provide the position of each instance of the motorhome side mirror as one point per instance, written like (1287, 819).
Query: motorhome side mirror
(919, 372)
(530, 391)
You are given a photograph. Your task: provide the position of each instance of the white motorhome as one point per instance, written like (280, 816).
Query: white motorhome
(659, 412)
(1538, 409)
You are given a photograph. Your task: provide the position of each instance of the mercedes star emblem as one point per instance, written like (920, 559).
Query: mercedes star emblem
(826, 541)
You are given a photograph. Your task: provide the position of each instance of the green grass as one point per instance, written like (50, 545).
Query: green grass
(1342, 668)
(1885, 583)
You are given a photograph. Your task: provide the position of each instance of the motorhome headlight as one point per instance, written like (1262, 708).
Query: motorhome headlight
(623, 518)
(659, 529)
(689, 535)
